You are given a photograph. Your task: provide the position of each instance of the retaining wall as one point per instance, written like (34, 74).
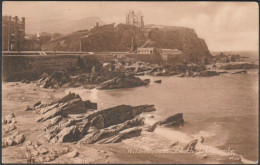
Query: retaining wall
(16, 68)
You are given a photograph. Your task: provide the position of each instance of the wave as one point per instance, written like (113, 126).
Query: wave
(174, 135)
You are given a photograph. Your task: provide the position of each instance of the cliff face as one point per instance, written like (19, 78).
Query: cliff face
(186, 40)
(119, 38)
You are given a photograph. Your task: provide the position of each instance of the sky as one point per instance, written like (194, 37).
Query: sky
(225, 26)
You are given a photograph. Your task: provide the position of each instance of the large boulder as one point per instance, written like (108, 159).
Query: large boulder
(51, 132)
(208, 73)
(55, 80)
(172, 121)
(67, 134)
(175, 120)
(111, 134)
(116, 115)
(69, 104)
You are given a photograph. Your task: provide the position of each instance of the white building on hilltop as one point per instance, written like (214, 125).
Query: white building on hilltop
(135, 19)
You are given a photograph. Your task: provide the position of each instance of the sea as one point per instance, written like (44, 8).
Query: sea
(223, 109)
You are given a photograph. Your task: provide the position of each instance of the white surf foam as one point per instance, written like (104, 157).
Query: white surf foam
(174, 135)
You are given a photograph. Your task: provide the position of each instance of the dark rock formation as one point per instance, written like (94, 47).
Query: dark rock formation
(66, 123)
(116, 115)
(114, 133)
(190, 147)
(239, 72)
(172, 121)
(223, 58)
(239, 66)
(175, 120)
(69, 104)
(158, 81)
(55, 80)
(25, 81)
(208, 73)
(123, 82)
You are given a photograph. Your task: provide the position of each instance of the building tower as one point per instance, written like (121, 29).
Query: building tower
(135, 19)
(13, 33)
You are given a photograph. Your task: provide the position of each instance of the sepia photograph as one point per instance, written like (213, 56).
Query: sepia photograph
(130, 82)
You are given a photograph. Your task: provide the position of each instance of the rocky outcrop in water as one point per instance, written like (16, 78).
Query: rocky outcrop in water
(223, 58)
(239, 66)
(123, 82)
(208, 73)
(172, 121)
(158, 81)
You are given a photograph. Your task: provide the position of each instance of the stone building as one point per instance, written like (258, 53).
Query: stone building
(167, 54)
(13, 33)
(135, 19)
(147, 48)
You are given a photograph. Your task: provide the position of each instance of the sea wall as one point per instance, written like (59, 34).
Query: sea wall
(16, 68)
(157, 58)
(150, 58)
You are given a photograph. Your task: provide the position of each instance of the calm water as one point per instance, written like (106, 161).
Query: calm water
(223, 109)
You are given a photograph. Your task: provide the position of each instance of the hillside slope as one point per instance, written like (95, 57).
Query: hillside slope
(119, 38)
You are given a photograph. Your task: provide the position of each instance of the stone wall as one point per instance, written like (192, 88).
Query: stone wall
(150, 58)
(157, 58)
(16, 68)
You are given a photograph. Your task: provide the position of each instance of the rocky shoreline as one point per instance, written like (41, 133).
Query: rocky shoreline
(123, 73)
(70, 120)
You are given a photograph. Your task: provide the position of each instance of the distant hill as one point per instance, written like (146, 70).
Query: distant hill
(61, 25)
